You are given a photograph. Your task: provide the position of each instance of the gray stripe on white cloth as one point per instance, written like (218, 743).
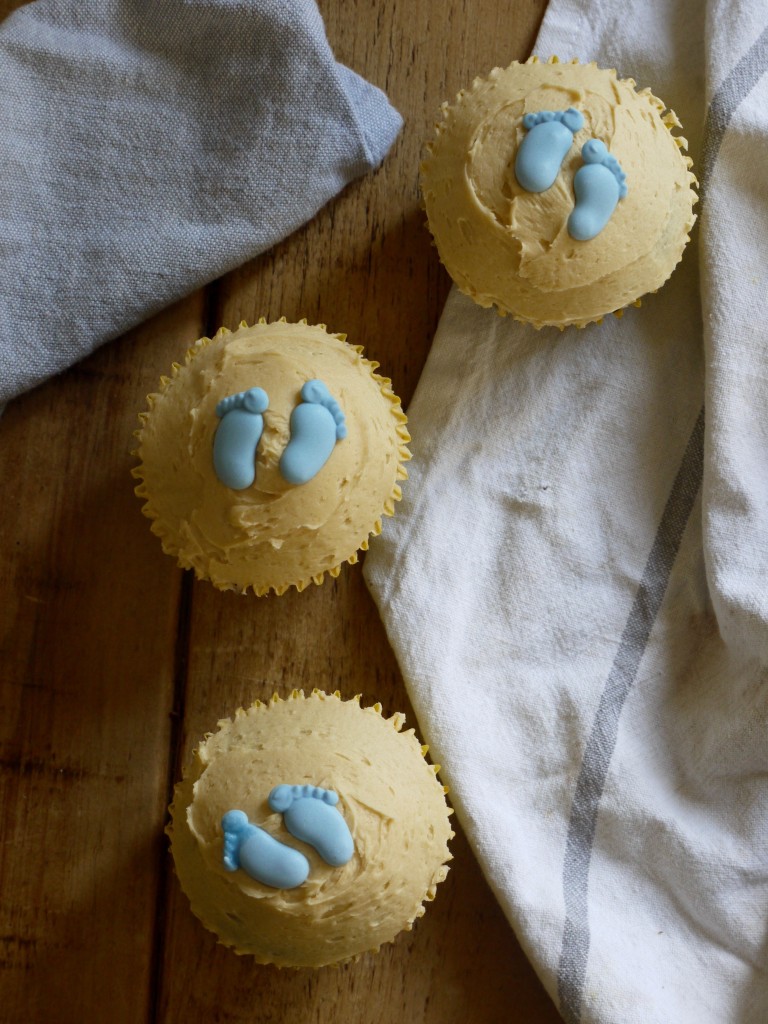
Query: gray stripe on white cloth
(736, 87)
(574, 953)
(572, 968)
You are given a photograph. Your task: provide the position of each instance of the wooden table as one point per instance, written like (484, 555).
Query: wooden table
(114, 663)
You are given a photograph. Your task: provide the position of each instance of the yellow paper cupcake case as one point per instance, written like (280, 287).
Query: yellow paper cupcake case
(270, 536)
(510, 248)
(389, 797)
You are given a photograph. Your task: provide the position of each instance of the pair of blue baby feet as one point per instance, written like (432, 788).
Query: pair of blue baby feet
(317, 423)
(598, 184)
(310, 814)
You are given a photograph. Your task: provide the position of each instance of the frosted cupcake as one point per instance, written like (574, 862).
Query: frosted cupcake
(558, 192)
(270, 456)
(309, 830)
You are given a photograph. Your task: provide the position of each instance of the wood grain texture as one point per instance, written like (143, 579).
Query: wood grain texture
(114, 664)
(88, 621)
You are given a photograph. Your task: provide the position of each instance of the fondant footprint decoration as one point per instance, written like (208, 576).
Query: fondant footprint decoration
(599, 184)
(317, 423)
(237, 437)
(260, 855)
(542, 151)
(310, 814)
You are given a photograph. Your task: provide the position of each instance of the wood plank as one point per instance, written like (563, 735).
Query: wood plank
(88, 619)
(9, 6)
(364, 266)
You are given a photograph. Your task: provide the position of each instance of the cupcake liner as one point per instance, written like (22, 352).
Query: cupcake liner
(180, 531)
(338, 914)
(445, 198)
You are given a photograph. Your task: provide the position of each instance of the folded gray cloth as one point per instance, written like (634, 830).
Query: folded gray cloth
(148, 148)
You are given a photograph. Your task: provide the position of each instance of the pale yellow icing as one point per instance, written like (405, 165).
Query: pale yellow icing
(271, 535)
(511, 248)
(389, 796)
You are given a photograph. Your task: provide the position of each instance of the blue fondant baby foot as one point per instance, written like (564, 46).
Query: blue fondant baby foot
(599, 185)
(316, 425)
(260, 855)
(310, 814)
(238, 434)
(542, 151)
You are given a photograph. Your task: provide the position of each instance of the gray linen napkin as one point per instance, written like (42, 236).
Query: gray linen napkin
(148, 148)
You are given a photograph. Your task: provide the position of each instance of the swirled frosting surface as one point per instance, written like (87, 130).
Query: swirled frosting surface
(510, 248)
(388, 795)
(273, 534)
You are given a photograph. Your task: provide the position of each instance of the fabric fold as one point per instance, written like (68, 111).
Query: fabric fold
(147, 149)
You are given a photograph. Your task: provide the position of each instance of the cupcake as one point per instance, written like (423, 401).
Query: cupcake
(270, 456)
(558, 192)
(309, 830)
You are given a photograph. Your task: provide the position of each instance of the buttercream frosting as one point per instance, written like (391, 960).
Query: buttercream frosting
(389, 797)
(509, 247)
(272, 534)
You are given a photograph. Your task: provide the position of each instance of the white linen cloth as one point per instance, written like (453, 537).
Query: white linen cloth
(147, 148)
(581, 623)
